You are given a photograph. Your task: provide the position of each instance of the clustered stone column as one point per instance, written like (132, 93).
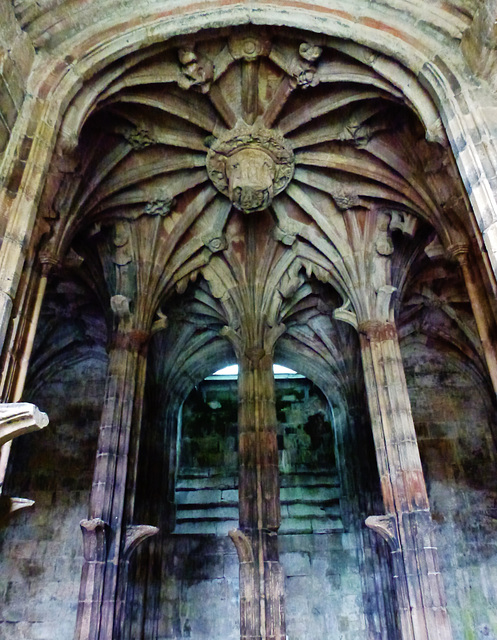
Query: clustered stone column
(261, 576)
(407, 524)
(104, 532)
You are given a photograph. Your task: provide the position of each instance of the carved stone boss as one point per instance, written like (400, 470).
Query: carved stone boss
(250, 165)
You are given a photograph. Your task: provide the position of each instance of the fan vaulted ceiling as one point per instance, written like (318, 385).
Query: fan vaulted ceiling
(356, 166)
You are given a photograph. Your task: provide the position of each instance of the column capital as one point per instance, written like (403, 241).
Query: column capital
(458, 252)
(47, 262)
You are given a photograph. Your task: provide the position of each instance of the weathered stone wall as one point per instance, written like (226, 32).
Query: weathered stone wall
(323, 588)
(454, 422)
(16, 58)
(323, 584)
(41, 551)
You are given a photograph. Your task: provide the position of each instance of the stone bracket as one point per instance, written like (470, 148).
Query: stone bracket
(18, 418)
(384, 526)
(94, 539)
(135, 535)
(243, 546)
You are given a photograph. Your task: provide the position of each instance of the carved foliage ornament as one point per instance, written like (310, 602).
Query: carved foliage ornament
(250, 165)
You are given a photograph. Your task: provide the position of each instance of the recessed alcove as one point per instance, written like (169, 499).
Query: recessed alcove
(253, 193)
(319, 557)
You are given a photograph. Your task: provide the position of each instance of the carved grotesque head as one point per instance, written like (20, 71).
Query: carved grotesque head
(250, 173)
(250, 167)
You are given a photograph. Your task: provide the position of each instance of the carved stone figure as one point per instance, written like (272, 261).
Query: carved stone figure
(251, 166)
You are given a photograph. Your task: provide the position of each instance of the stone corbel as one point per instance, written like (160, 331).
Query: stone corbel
(135, 535)
(434, 249)
(404, 222)
(18, 418)
(94, 539)
(384, 526)
(384, 296)
(8, 506)
(243, 546)
(194, 70)
(120, 306)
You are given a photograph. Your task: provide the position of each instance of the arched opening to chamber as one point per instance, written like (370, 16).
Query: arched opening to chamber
(257, 196)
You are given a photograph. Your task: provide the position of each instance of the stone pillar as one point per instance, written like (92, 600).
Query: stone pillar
(261, 575)
(478, 306)
(105, 530)
(407, 524)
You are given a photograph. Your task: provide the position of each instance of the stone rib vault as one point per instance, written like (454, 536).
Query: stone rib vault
(185, 186)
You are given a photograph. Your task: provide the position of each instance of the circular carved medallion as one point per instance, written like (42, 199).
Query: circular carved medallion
(250, 166)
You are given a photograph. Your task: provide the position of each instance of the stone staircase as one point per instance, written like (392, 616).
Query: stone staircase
(208, 504)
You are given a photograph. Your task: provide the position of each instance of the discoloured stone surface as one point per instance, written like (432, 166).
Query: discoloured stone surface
(112, 111)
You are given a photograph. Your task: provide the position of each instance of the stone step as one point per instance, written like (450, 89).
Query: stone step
(288, 495)
(301, 480)
(207, 482)
(205, 527)
(315, 525)
(212, 513)
(207, 497)
(209, 504)
(309, 494)
(300, 510)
